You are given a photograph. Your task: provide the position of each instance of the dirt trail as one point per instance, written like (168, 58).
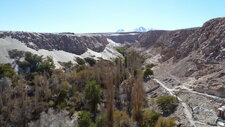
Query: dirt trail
(186, 111)
(195, 92)
(191, 90)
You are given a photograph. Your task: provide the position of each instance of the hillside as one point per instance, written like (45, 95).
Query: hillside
(196, 52)
(123, 79)
(191, 66)
(65, 47)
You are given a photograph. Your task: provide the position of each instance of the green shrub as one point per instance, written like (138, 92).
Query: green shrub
(167, 103)
(23, 64)
(147, 73)
(101, 121)
(68, 64)
(33, 59)
(121, 119)
(62, 98)
(6, 71)
(90, 61)
(80, 68)
(150, 118)
(143, 60)
(73, 89)
(165, 122)
(150, 66)
(121, 50)
(116, 60)
(126, 61)
(93, 125)
(71, 111)
(36, 63)
(92, 94)
(80, 61)
(46, 65)
(84, 119)
(51, 103)
(122, 77)
(15, 54)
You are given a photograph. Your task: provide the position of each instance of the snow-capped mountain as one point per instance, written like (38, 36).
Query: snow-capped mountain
(120, 31)
(139, 29)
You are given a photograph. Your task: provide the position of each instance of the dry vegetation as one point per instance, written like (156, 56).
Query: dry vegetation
(104, 93)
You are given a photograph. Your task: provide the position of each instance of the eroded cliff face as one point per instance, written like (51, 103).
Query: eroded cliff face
(196, 52)
(65, 47)
(208, 40)
(168, 42)
(125, 38)
(69, 43)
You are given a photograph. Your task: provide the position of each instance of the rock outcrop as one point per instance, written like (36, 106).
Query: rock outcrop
(195, 52)
(69, 43)
(125, 38)
(55, 119)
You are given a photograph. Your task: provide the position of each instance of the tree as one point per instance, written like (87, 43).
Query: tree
(121, 50)
(93, 94)
(84, 119)
(125, 61)
(46, 65)
(167, 103)
(118, 79)
(109, 98)
(150, 66)
(134, 87)
(16, 54)
(80, 61)
(137, 101)
(108, 77)
(150, 118)
(90, 61)
(36, 63)
(6, 71)
(147, 73)
(165, 122)
(33, 61)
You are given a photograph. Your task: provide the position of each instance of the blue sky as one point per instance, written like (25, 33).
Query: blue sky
(85, 16)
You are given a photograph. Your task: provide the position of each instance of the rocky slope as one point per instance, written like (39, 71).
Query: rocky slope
(65, 42)
(64, 47)
(70, 42)
(197, 53)
(125, 38)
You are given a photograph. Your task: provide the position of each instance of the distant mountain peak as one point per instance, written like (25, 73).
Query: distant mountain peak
(120, 30)
(139, 29)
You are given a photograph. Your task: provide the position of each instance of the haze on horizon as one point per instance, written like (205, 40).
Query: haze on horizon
(88, 16)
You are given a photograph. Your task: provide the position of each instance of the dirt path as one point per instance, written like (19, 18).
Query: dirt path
(191, 90)
(195, 92)
(186, 111)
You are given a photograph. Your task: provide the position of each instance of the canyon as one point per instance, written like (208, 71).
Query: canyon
(190, 63)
